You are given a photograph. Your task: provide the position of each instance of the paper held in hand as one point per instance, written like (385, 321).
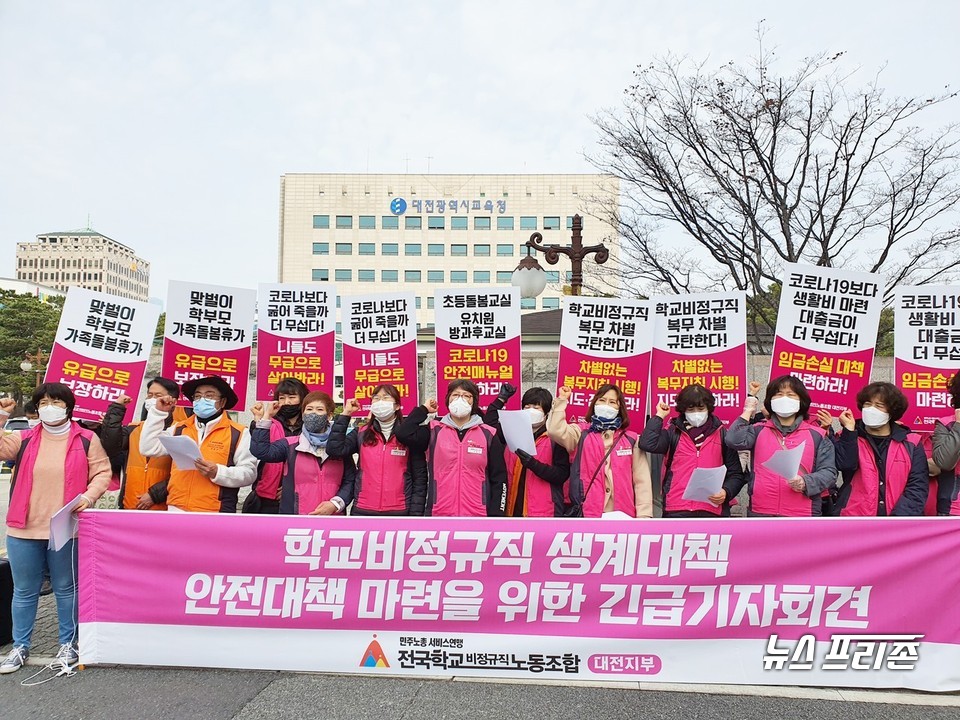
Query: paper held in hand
(786, 463)
(517, 430)
(705, 482)
(183, 450)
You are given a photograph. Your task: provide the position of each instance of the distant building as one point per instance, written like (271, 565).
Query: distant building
(24, 287)
(84, 258)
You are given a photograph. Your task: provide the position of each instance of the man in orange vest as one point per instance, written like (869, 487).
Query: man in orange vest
(226, 465)
(144, 485)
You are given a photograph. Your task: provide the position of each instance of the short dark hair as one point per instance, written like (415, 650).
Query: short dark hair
(792, 382)
(169, 385)
(603, 390)
(369, 438)
(538, 396)
(953, 387)
(887, 393)
(290, 386)
(694, 396)
(471, 387)
(55, 391)
(29, 408)
(322, 397)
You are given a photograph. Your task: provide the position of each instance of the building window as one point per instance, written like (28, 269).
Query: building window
(321, 248)
(569, 275)
(417, 301)
(458, 276)
(526, 250)
(435, 249)
(389, 249)
(411, 276)
(481, 276)
(504, 250)
(551, 223)
(389, 222)
(344, 222)
(321, 222)
(368, 222)
(458, 250)
(550, 303)
(528, 222)
(458, 223)
(435, 222)
(504, 223)
(435, 276)
(412, 222)
(343, 275)
(367, 249)
(412, 249)
(482, 250)
(430, 302)
(481, 223)
(390, 275)
(366, 276)
(504, 276)
(553, 276)
(528, 303)
(344, 248)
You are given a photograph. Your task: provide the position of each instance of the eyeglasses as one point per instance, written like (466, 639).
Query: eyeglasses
(44, 402)
(462, 396)
(206, 396)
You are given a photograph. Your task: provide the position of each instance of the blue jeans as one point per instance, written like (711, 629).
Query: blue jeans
(28, 561)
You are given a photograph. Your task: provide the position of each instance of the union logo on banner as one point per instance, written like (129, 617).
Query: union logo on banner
(374, 656)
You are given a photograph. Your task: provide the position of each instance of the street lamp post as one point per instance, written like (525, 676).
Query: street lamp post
(40, 358)
(523, 276)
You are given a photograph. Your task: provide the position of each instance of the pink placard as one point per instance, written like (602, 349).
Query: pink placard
(723, 373)
(182, 363)
(831, 378)
(95, 383)
(309, 359)
(370, 368)
(489, 366)
(585, 373)
(926, 390)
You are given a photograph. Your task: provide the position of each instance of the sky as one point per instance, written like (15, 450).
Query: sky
(170, 124)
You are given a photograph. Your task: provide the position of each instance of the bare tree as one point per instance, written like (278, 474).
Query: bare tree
(757, 170)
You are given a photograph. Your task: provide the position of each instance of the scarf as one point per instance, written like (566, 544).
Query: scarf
(598, 424)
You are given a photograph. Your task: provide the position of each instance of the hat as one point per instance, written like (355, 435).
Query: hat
(190, 387)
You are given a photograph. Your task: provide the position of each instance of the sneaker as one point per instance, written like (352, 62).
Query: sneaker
(15, 660)
(68, 655)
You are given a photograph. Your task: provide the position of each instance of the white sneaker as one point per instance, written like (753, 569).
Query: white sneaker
(15, 660)
(68, 655)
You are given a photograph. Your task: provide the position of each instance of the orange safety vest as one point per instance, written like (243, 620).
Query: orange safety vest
(142, 473)
(188, 489)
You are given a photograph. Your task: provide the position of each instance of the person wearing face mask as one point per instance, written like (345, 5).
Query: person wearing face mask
(144, 480)
(787, 402)
(466, 475)
(282, 418)
(56, 461)
(313, 482)
(391, 478)
(945, 450)
(693, 439)
(608, 470)
(883, 465)
(213, 483)
(534, 482)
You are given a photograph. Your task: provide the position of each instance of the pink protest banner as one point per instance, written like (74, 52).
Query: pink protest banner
(695, 601)
(926, 351)
(605, 340)
(380, 347)
(295, 336)
(101, 349)
(700, 339)
(478, 338)
(207, 332)
(827, 332)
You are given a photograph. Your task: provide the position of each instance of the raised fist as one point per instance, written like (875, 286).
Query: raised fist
(124, 400)
(846, 420)
(7, 405)
(431, 405)
(663, 410)
(257, 411)
(351, 406)
(166, 403)
(753, 387)
(564, 393)
(507, 391)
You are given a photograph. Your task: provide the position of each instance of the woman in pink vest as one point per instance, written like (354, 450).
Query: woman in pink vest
(608, 470)
(692, 440)
(884, 468)
(534, 482)
(313, 482)
(283, 419)
(391, 478)
(787, 403)
(466, 475)
(946, 453)
(57, 461)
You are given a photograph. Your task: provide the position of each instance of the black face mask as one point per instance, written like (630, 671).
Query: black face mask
(288, 412)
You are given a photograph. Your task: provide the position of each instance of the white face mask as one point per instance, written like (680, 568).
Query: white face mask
(605, 412)
(785, 406)
(874, 418)
(383, 409)
(149, 404)
(33, 422)
(536, 415)
(52, 415)
(459, 408)
(696, 419)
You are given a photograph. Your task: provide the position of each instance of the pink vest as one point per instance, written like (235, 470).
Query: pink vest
(685, 460)
(771, 494)
(380, 483)
(949, 422)
(458, 470)
(313, 483)
(926, 442)
(585, 467)
(539, 493)
(865, 484)
(75, 471)
(272, 473)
